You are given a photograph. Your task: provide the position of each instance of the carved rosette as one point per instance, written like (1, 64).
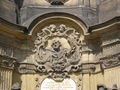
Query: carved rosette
(57, 51)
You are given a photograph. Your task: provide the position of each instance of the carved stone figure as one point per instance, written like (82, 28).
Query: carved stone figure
(57, 51)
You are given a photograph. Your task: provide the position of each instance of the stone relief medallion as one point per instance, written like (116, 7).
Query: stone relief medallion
(57, 51)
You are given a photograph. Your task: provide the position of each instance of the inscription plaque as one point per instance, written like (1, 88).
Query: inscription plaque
(50, 84)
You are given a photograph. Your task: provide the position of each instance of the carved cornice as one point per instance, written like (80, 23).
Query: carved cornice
(7, 62)
(103, 87)
(110, 46)
(110, 61)
(26, 68)
(102, 26)
(92, 68)
(84, 68)
(110, 38)
(12, 26)
(111, 43)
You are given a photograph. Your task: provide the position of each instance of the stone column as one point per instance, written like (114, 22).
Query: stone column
(5, 78)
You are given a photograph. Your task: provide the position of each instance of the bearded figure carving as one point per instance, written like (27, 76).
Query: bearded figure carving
(57, 51)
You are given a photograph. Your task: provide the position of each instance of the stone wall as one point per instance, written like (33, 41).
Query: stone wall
(108, 9)
(60, 47)
(7, 10)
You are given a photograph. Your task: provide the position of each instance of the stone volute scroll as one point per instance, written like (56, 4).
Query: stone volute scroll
(57, 51)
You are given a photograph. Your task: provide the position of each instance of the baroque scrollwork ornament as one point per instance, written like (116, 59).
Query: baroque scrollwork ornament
(57, 51)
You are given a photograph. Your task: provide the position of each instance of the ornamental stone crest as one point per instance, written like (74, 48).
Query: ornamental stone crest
(57, 51)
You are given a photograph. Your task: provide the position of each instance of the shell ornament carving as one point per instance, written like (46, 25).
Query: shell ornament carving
(57, 51)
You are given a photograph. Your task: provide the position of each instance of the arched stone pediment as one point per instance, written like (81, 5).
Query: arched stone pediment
(57, 42)
(49, 18)
(78, 25)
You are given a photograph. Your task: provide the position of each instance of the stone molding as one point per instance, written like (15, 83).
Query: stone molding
(103, 87)
(7, 62)
(110, 61)
(26, 68)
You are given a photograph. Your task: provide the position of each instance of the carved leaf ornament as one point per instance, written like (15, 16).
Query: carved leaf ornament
(57, 51)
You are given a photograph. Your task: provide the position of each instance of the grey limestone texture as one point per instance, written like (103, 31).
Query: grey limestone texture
(23, 12)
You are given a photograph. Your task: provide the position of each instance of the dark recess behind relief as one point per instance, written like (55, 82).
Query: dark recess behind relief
(19, 3)
(57, 2)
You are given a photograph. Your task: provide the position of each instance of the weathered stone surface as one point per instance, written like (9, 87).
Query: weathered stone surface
(60, 45)
(7, 10)
(58, 49)
(92, 11)
(31, 13)
(108, 9)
